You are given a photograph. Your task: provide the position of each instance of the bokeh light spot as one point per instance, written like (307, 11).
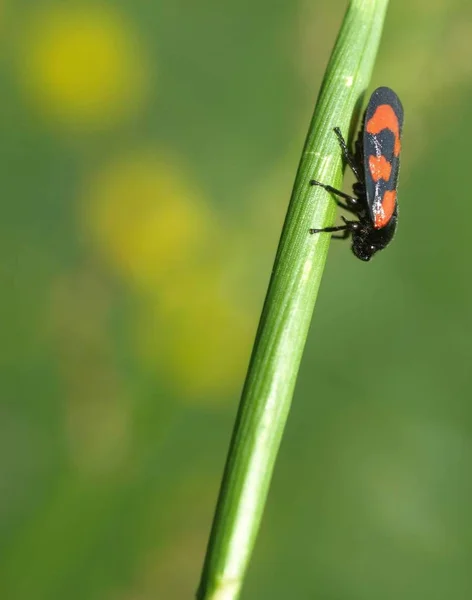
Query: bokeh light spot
(83, 65)
(146, 218)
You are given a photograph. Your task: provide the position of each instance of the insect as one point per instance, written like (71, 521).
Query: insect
(375, 164)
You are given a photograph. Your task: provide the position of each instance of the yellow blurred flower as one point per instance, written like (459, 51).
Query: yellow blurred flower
(146, 220)
(83, 65)
(196, 331)
(156, 232)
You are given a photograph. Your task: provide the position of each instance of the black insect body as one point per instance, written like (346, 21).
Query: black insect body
(375, 164)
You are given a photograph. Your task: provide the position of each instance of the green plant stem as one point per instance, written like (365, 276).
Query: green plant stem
(288, 308)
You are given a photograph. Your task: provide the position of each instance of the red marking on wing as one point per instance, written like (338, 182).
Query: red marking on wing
(384, 212)
(384, 117)
(379, 168)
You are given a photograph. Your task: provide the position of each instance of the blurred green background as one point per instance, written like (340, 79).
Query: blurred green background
(148, 153)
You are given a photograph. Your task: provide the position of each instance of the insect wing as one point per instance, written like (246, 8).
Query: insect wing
(382, 145)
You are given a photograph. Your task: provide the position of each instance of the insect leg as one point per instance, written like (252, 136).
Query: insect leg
(344, 228)
(352, 205)
(348, 156)
(344, 235)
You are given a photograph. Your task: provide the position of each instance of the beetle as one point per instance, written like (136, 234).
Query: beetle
(375, 164)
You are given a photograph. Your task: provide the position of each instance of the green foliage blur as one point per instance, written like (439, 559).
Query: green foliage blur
(148, 153)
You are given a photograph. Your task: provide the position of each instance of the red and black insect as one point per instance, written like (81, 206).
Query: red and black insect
(375, 164)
